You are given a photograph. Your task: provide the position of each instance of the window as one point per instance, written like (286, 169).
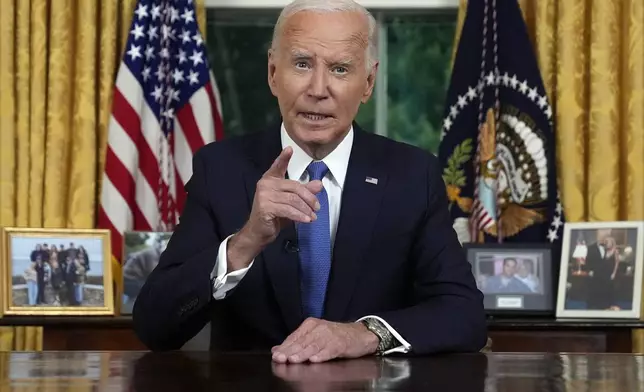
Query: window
(415, 52)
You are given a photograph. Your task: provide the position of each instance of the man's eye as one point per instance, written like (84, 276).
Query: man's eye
(301, 64)
(340, 70)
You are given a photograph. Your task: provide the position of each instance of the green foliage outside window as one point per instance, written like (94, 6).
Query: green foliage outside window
(418, 62)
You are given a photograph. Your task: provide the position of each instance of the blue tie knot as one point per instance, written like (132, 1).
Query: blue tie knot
(317, 170)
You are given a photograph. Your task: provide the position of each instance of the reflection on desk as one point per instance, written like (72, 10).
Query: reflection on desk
(186, 371)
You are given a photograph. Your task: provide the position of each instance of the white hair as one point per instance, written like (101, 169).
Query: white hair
(329, 6)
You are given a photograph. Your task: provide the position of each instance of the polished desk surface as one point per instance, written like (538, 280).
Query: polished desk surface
(197, 371)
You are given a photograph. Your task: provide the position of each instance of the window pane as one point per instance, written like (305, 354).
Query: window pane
(366, 117)
(238, 43)
(237, 49)
(419, 50)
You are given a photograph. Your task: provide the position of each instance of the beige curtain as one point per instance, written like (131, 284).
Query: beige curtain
(591, 56)
(58, 62)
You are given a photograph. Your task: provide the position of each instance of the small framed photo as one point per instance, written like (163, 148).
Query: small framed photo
(141, 253)
(60, 272)
(601, 270)
(515, 279)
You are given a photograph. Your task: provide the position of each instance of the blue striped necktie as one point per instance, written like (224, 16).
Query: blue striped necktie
(314, 241)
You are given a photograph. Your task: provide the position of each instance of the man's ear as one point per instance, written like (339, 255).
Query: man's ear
(371, 82)
(272, 58)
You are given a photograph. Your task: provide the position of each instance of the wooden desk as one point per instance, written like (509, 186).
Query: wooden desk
(508, 335)
(82, 333)
(190, 371)
(590, 336)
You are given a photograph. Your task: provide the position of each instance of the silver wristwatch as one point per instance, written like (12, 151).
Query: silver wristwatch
(387, 340)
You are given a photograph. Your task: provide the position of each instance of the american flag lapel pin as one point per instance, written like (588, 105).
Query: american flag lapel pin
(371, 180)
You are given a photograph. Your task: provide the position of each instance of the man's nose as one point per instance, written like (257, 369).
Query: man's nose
(319, 83)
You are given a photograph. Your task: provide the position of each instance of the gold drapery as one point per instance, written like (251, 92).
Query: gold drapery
(58, 63)
(591, 56)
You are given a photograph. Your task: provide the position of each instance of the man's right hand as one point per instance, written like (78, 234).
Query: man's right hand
(277, 201)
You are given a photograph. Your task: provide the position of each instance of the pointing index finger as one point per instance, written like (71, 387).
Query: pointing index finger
(280, 165)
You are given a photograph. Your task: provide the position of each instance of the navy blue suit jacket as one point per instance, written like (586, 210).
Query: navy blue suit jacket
(395, 256)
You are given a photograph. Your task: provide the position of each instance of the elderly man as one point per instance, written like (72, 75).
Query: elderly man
(137, 268)
(315, 239)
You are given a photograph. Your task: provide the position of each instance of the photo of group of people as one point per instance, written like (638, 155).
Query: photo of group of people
(513, 276)
(57, 272)
(508, 274)
(601, 269)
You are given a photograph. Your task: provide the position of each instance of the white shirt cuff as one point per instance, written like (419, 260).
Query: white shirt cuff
(404, 347)
(222, 281)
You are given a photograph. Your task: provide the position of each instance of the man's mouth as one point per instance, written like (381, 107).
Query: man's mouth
(313, 116)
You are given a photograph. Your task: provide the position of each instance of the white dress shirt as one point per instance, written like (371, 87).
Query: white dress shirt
(337, 162)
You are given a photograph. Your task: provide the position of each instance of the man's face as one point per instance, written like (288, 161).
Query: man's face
(319, 74)
(523, 270)
(509, 268)
(602, 234)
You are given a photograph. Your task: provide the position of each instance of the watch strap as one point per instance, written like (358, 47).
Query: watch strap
(387, 340)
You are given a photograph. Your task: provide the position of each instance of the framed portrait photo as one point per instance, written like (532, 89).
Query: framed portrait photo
(141, 252)
(61, 272)
(515, 279)
(601, 270)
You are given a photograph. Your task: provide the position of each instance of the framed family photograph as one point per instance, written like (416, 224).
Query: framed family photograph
(515, 279)
(141, 255)
(56, 272)
(601, 270)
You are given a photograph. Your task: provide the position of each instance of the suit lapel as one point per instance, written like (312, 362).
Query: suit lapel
(282, 264)
(361, 200)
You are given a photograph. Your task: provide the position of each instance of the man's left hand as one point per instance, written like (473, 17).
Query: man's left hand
(320, 340)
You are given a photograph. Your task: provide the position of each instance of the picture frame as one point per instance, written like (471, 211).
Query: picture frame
(141, 253)
(528, 290)
(42, 278)
(601, 270)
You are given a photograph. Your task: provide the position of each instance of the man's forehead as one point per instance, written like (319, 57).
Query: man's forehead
(326, 29)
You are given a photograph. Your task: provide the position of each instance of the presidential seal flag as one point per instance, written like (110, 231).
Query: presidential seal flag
(498, 140)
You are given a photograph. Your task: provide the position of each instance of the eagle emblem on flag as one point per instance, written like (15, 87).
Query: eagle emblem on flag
(497, 145)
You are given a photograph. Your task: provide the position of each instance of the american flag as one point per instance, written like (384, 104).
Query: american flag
(166, 106)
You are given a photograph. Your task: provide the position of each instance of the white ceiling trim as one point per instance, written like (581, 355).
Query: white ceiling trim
(382, 4)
